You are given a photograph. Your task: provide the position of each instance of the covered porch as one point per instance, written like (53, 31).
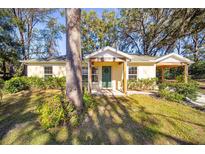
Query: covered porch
(177, 63)
(177, 69)
(107, 70)
(105, 75)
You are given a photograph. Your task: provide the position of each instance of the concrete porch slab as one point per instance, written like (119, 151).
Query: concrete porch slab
(107, 92)
(110, 92)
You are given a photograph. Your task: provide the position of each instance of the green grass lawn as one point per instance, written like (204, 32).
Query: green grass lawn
(135, 119)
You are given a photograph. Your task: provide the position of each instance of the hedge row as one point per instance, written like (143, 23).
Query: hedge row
(17, 84)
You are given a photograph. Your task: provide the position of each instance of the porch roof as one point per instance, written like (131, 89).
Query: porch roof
(108, 52)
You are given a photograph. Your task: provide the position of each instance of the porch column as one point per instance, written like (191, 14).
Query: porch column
(162, 74)
(125, 77)
(89, 76)
(185, 73)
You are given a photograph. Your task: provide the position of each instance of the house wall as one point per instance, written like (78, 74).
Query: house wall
(116, 75)
(38, 70)
(144, 70)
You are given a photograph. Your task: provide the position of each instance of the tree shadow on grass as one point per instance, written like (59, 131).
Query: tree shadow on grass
(18, 120)
(112, 122)
(115, 120)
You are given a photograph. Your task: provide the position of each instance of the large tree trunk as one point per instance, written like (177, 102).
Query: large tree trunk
(73, 61)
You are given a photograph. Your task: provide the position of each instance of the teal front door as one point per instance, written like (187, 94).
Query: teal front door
(106, 76)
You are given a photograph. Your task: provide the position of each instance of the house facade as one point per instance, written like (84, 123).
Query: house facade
(110, 68)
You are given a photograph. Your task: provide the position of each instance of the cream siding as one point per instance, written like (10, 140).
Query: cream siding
(35, 70)
(59, 70)
(144, 70)
(38, 70)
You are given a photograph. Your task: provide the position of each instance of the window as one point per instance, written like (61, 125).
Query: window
(132, 73)
(48, 71)
(85, 74)
(94, 74)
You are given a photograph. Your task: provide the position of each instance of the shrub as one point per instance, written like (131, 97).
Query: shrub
(197, 70)
(88, 100)
(178, 91)
(171, 96)
(55, 112)
(16, 84)
(36, 82)
(47, 83)
(55, 82)
(142, 84)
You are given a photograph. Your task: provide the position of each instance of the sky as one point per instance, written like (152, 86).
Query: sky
(62, 42)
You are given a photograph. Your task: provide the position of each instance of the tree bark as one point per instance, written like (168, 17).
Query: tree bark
(74, 92)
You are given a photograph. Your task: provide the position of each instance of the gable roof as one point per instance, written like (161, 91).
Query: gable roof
(49, 59)
(113, 50)
(176, 56)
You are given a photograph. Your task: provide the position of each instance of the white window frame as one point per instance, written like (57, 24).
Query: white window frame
(84, 73)
(96, 74)
(48, 74)
(132, 74)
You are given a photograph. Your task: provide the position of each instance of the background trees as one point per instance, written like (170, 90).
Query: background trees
(156, 31)
(31, 33)
(146, 31)
(27, 33)
(9, 46)
(98, 32)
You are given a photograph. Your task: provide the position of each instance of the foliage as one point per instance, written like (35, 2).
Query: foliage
(155, 31)
(169, 73)
(16, 84)
(21, 37)
(171, 95)
(142, 84)
(55, 112)
(88, 100)
(35, 82)
(98, 32)
(192, 46)
(197, 70)
(49, 37)
(26, 21)
(9, 46)
(178, 91)
(55, 82)
(1, 83)
(46, 83)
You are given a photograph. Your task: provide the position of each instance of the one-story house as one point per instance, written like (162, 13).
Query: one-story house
(109, 67)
